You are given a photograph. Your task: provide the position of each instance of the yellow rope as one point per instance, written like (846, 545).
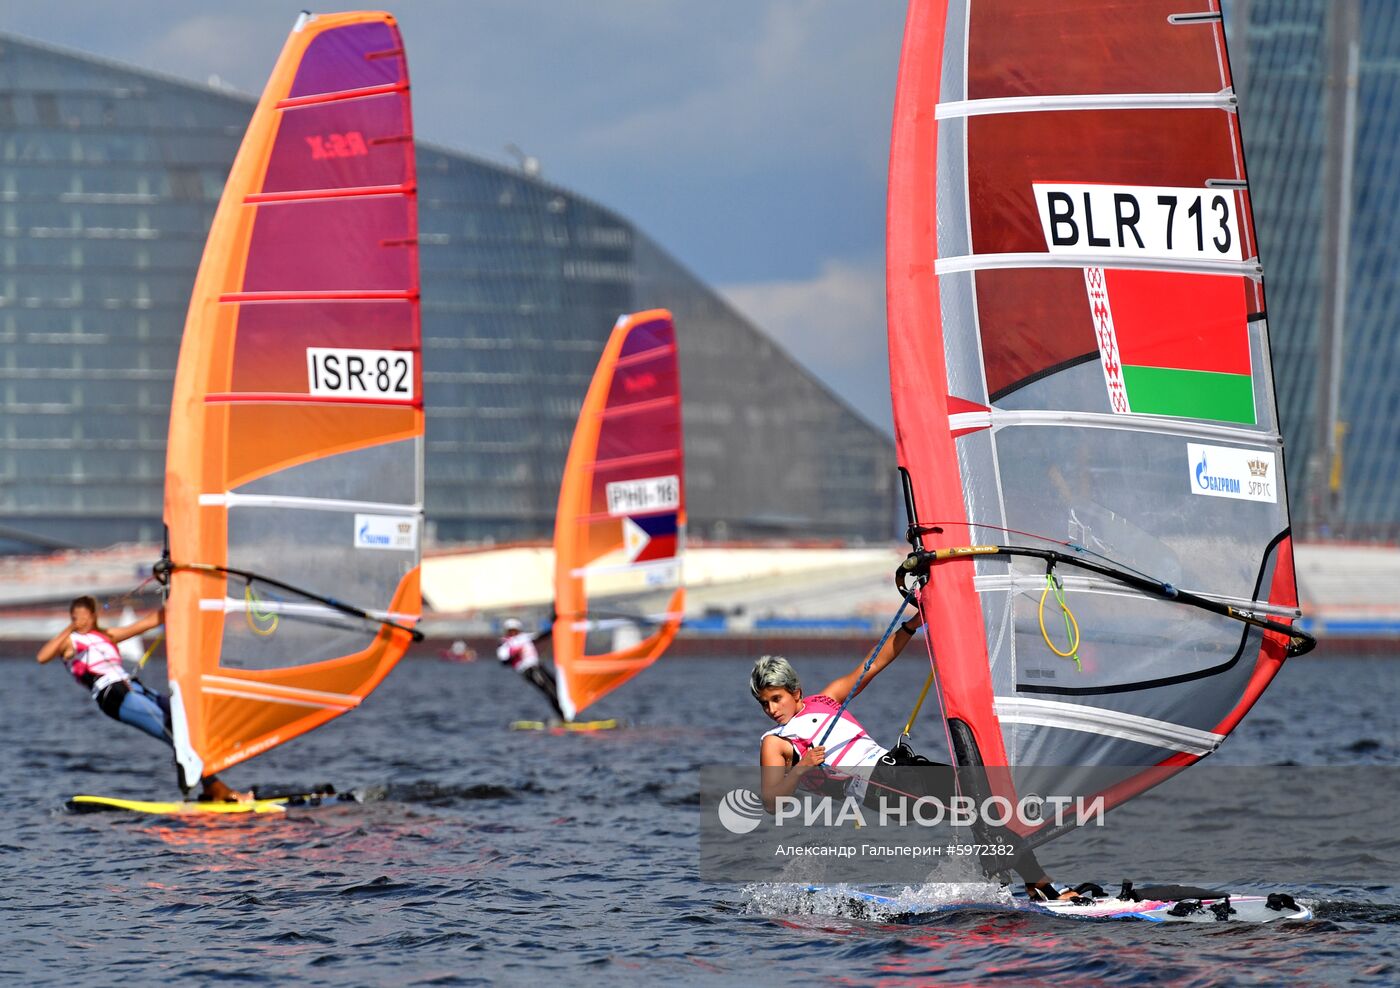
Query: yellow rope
(909, 724)
(1071, 625)
(252, 612)
(150, 651)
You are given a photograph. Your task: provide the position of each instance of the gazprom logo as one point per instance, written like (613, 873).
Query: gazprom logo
(370, 538)
(1229, 471)
(1217, 485)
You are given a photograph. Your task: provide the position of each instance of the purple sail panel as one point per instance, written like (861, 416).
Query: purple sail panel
(344, 245)
(653, 430)
(642, 416)
(642, 379)
(659, 333)
(269, 352)
(346, 144)
(661, 463)
(345, 58)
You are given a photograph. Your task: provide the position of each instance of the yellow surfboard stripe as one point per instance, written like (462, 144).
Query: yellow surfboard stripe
(559, 725)
(177, 808)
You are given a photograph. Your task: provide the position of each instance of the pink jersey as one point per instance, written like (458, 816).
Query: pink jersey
(97, 662)
(847, 746)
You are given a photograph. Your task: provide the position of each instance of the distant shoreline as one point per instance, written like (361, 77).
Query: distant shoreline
(712, 645)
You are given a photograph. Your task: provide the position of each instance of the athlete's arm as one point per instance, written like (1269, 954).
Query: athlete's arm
(780, 776)
(544, 633)
(839, 689)
(150, 622)
(59, 644)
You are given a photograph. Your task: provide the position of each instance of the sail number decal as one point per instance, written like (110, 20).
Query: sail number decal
(1139, 221)
(350, 144)
(1228, 471)
(344, 373)
(627, 497)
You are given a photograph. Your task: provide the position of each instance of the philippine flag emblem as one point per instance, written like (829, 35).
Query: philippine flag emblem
(650, 537)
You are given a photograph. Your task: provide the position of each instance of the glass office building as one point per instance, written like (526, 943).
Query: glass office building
(1324, 170)
(109, 177)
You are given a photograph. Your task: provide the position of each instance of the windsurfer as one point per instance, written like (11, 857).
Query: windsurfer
(90, 652)
(801, 748)
(518, 651)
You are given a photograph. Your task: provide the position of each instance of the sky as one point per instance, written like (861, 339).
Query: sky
(750, 138)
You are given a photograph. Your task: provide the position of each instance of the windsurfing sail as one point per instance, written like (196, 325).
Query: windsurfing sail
(1083, 398)
(620, 530)
(295, 464)
(132, 649)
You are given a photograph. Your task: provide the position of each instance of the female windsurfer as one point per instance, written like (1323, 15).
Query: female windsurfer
(90, 652)
(518, 651)
(801, 743)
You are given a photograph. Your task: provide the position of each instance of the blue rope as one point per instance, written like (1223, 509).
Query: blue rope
(909, 596)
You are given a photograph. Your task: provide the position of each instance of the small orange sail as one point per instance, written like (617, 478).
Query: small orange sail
(620, 529)
(293, 499)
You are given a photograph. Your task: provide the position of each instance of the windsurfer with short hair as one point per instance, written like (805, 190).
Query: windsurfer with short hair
(90, 652)
(517, 650)
(802, 748)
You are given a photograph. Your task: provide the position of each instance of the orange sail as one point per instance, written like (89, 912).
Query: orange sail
(294, 480)
(620, 529)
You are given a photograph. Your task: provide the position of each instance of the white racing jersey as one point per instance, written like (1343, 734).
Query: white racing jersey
(847, 746)
(96, 662)
(518, 651)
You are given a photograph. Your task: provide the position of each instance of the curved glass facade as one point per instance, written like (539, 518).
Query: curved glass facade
(109, 177)
(1296, 143)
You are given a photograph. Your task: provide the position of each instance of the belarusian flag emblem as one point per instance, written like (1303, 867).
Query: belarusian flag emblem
(1173, 344)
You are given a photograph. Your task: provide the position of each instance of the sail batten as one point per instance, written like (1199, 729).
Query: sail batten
(956, 263)
(312, 194)
(319, 296)
(347, 94)
(1079, 356)
(294, 467)
(1223, 100)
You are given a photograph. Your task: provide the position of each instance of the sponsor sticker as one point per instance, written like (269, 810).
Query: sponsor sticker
(1139, 221)
(663, 576)
(626, 497)
(386, 532)
(1226, 471)
(347, 373)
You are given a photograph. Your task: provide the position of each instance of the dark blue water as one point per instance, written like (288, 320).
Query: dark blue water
(500, 857)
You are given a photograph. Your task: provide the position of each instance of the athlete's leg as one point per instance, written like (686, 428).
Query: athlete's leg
(163, 699)
(141, 710)
(544, 681)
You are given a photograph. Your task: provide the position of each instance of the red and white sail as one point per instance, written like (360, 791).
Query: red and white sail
(1079, 353)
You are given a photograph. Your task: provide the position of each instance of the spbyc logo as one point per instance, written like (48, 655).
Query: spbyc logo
(741, 811)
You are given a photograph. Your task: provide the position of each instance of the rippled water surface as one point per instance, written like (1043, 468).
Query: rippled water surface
(501, 857)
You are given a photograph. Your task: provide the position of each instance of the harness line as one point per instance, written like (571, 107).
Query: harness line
(150, 651)
(909, 596)
(918, 705)
(338, 605)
